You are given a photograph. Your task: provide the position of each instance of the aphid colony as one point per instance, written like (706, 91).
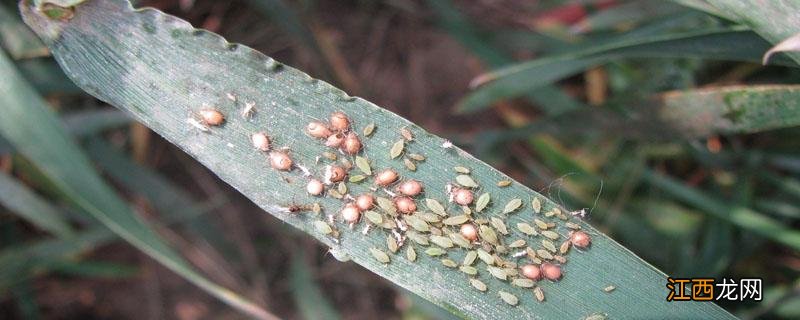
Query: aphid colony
(394, 203)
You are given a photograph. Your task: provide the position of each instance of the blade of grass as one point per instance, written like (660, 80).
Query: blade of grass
(730, 44)
(24, 202)
(743, 217)
(37, 134)
(157, 88)
(94, 269)
(308, 297)
(17, 38)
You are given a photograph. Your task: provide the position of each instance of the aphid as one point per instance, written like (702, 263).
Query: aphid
(469, 258)
(260, 141)
(397, 149)
(340, 121)
(469, 231)
(391, 243)
(517, 244)
(386, 205)
(508, 298)
(441, 241)
(435, 251)
(573, 226)
(498, 224)
(363, 165)
(379, 255)
(365, 201)
(369, 129)
(477, 284)
(342, 188)
(485, 257)
(334, 174)
(466, 181)
(406, 134)
(318, 130)
(449, 263)
(248, 110)
(212, 117)
(560, 259)
(547, 244)
(596, 316)
(468, 270)
(539, 293)
(335, 140)
(416, 157)
(329, 155)
(580, 239)
(352, 144)
(462, 196)
(409, 164)
(526, 229)
(315, 187)
(418, 238)
(411, 254)
(410, 188)
(497, 273)
(357, 178)
(544, 254)
(373, 217)
(564, 248)
(323, 227)
(418, 224)
(488, 234)
(405, 205)
(503, 183)
(280, 160)
(536, 204)
(482, 202)
(532, 272)
(435, 206)
(461, 169)
(351, 213)
(523, 283)
(386, 177)
(512, 205)
(609, 289)
(550, 234)
(551, 271)
(541, 224)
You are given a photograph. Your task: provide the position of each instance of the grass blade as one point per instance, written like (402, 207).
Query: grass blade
(37, 134)
(179, 69)
(518, 79)
(307, 294)
(29, 206)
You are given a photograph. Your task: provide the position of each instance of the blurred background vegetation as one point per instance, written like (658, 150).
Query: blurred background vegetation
(599, 91)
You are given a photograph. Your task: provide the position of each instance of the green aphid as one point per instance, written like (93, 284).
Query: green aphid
(435, 251)
(482, 201)
(508, 298)
(477, 284)
(469, 258)
(512, 205)
(379, 255)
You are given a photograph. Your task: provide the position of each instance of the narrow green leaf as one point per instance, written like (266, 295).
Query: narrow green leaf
(21, 200)
(171, 53)
(309, 298)
(37, 134)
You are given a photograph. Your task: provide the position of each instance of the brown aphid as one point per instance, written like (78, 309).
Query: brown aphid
(212, 117)
(580, 239)
(410, 188)
(463, 196)
(334, 174)
(532, 272)
(469, 231)
(351, 213)
(260, 141)
(352, 144)
(405, 205)
(365, 201)
(318, 130)
(340, 121)
(335, 140)
(315, 187)
(280, 160)
(551, 271)
(386, 177)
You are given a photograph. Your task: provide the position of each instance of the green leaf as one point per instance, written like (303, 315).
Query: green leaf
(38, 135)
(742, 217)
(307, 294)
(29, 206)
(18, 40)
(178, 69)
(774, 20)
(515, 80)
